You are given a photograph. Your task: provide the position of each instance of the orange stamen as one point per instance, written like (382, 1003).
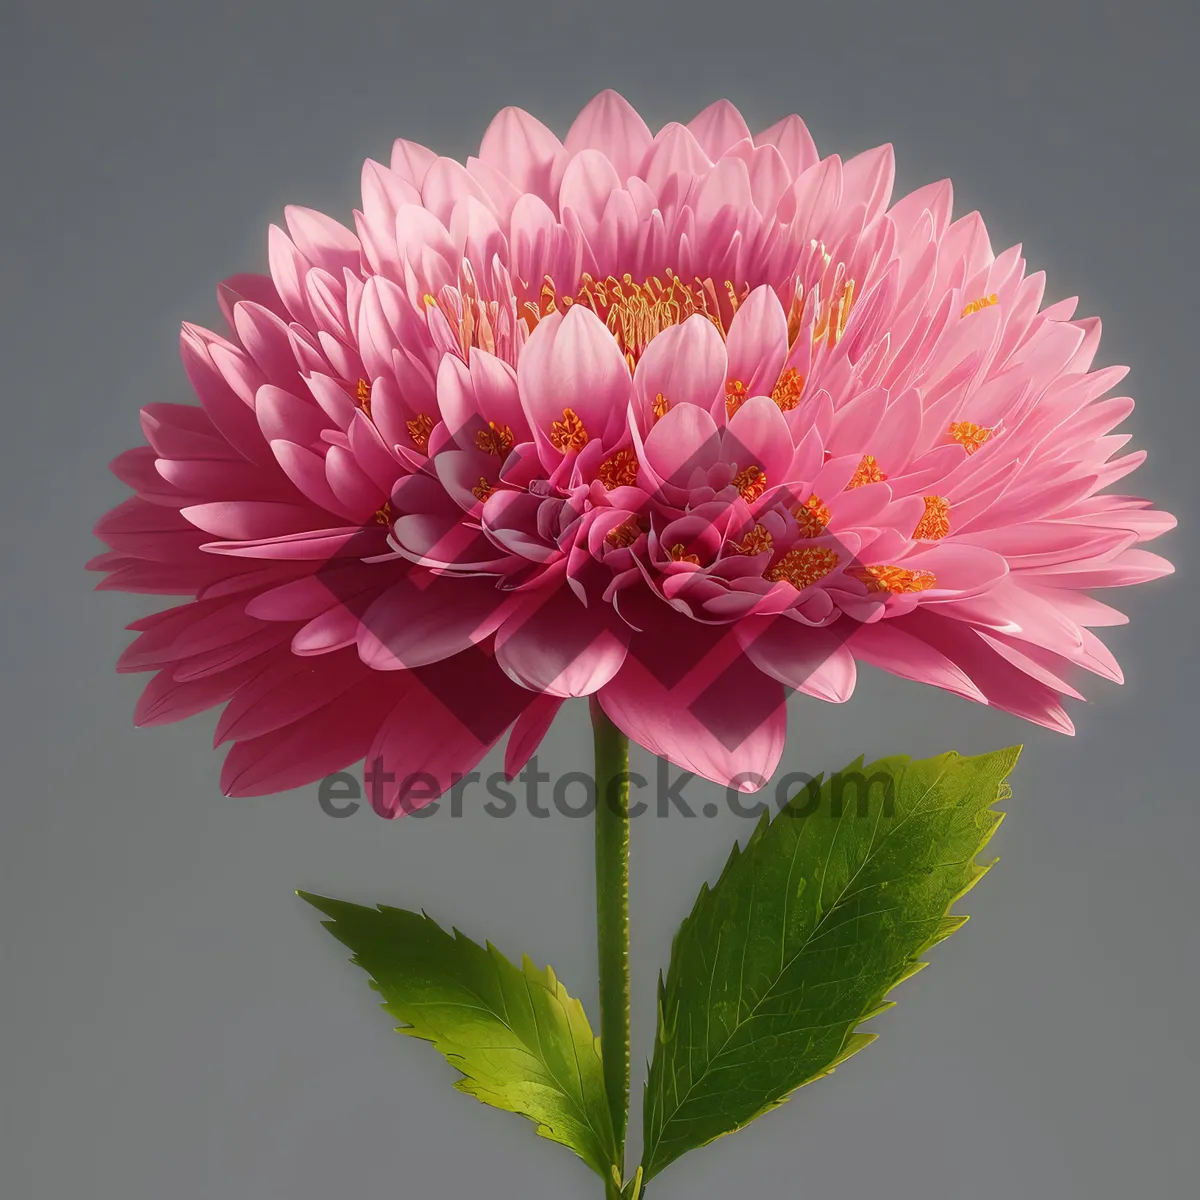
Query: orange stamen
(935, 522)
(804, 566)
(756, 541)
(981, 303)
(735, 396)
(894, 579)
(969, 435)
(751, 483)
(619, 470)
(788, 389)
(362, 397)
(812, 516)
(624, 534)
(866, 472)
(419, 429)
(569, 433)
(495, 439)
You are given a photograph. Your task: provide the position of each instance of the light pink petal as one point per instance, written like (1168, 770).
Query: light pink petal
(523, 149)
(886, 645)
(610, 124)
(794, 143)
(588, 182)
(684, 441)
(757, 344)
(685, 364)
(573, 362)
(718, 127)
(758, 434)
(321, 240)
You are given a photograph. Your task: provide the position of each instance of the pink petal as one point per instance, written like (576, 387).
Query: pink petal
(426, 619)
(610, 124)
(718, 127)
(528, 731)
(521, 147)
(554, 644)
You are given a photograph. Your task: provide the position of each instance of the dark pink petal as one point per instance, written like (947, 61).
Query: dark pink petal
(528, 731)
(327, 740)
(554, 644)
(445, 719)
(426, 619)
(814, 661)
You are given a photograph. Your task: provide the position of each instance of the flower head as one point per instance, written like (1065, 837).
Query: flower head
(686, 420)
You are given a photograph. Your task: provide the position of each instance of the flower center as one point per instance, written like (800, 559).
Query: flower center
(636, 313)
(894, 579)
(866, 472)
(969, 435)
(804, 566)
(625, 534)
(678, 553)
(619, 470)
(812, 516)
(935, 521)
(756, 541)
(569, 433)
(750, 482)
(419, 429)
(495, 439)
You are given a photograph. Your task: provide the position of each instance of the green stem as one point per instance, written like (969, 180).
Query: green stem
(612, 916)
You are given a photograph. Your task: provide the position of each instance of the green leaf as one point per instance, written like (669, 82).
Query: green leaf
(827, 908)
(521, 1042)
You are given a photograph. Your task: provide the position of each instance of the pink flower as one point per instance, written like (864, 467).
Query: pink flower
(687, 421)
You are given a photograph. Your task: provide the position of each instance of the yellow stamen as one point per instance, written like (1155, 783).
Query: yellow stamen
(619, 470)
(419, 429)
(894, 579)
(756, 541)
(969, 435)
(660, 406)
(866, 472)
(935, 522)
(362, 397)
(679, 554)
(625, 534)
(383, 514)
(751, 483)
(569, 433)
(812, 516)
(482, 490)
(495, 439)
(837, 299)
(982, 302)
(804, 566)
(735, 396)
(786, 392)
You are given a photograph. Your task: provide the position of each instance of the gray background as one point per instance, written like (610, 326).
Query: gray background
(174, 1021)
